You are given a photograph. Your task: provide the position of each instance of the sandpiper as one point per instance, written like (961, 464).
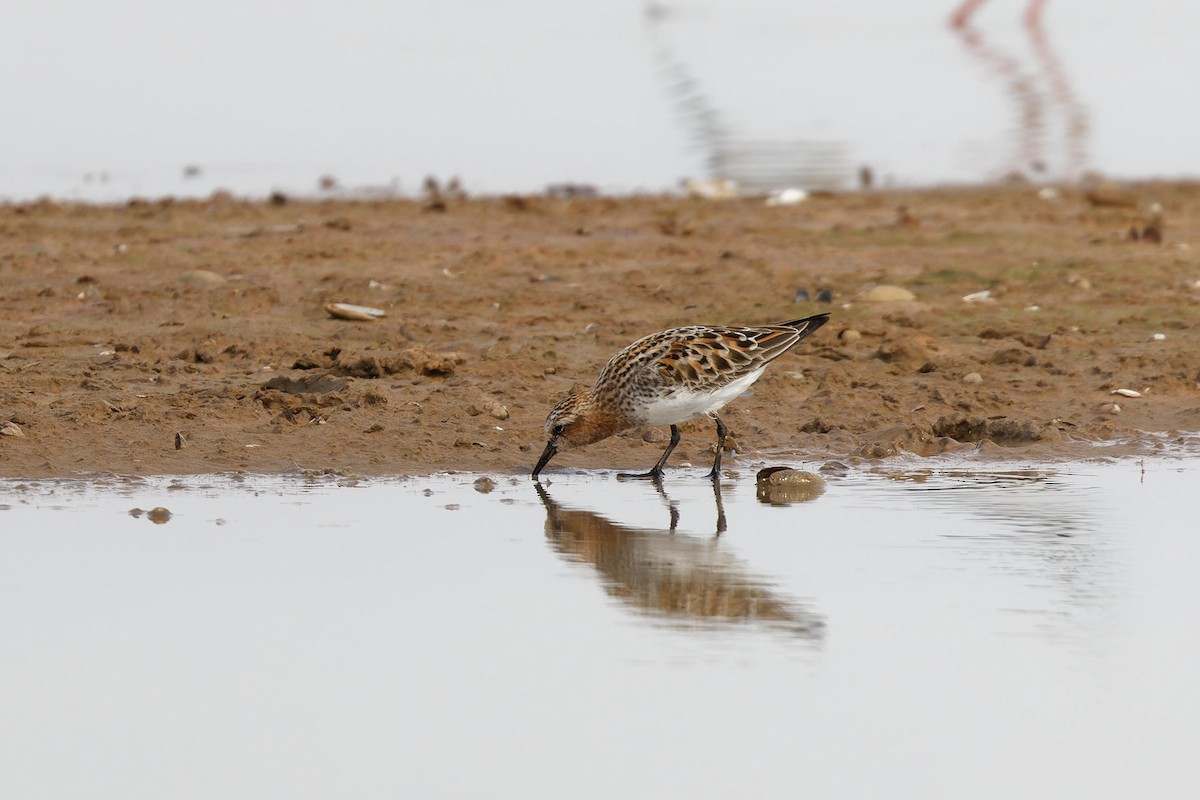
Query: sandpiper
(670, 377)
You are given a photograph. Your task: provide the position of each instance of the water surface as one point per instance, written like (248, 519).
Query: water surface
(961, 630)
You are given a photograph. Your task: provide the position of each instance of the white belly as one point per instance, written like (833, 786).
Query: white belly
(682, 404)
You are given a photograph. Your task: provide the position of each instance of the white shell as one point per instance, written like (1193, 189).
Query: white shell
(980, 297)
(348, 311)
(1126, 392)
(787, 197)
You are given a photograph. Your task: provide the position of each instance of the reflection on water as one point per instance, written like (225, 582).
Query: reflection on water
(757, 165)
(1024, 502)
(1031, 524)
(1048, 135)
(679, 579)
(1041, 95)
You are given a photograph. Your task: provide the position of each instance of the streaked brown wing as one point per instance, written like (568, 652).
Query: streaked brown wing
(715, 356)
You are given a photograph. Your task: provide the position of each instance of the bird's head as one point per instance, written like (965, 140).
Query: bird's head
(574, 422)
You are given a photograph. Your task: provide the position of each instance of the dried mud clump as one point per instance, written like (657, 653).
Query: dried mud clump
(1002, 431)
(425, 362)
(371, 365)
(311, 398)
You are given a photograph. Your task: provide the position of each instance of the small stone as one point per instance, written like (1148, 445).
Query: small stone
(484, 485)
(496, 409)
(10, 429)
(825, 296)
(158, 515)
(202, 277)
(972, 378)
(654, 436)
(1111, 195)
(783, 486)
(802, 296)
(179, 441)
(886, 294)
(1113, 408)
(849, 336)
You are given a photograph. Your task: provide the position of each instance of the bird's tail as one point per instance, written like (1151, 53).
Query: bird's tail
(806, 326)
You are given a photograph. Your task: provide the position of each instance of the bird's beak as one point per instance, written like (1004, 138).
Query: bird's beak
(547, 454)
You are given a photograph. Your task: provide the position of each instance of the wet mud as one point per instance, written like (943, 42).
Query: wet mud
(164, 337)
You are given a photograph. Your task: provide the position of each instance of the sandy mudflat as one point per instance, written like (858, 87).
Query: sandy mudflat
(121, 327)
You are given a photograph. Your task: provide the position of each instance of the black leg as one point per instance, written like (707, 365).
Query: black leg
(720, 507)
(656, 471)
(672, 509)
(721, 431)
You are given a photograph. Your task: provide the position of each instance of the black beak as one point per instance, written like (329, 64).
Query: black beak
(547, 454)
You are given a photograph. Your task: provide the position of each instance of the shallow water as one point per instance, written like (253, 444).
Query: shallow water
(1015, 631)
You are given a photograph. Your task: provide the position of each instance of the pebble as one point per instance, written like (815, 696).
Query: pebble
(654, 436)
(10, 429)
(1113, 408)
(972, 378)
(158, 515)
(886, 294)
(849, 336)
(484, 485)
(1126, 392)
(825, 296)
(202, 277)
(783, 486)
(1158, 337)
(979, 297)
(496, 409)
(784, 476)
(802, 296)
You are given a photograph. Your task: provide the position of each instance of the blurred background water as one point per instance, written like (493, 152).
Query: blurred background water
(109, 100)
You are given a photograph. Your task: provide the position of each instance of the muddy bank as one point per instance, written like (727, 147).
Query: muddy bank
(187, 337)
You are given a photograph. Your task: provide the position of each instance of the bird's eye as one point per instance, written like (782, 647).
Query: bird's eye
(557, 430)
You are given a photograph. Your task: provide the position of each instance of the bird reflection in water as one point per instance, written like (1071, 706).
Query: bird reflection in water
(679, 579)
